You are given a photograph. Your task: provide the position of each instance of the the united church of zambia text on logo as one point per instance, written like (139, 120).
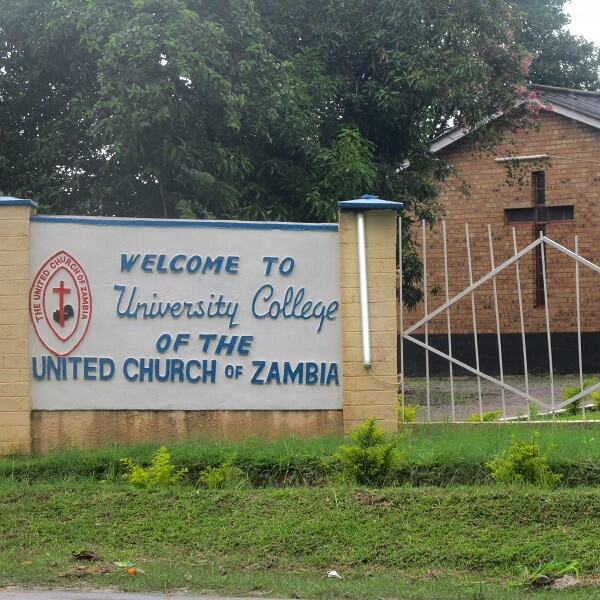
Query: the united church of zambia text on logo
(60, 303)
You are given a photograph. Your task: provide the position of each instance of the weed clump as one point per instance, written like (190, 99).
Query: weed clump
(572, 391)
(523, 463)
(226, 475)
(548, 573)
(486, 417)
(407, 413)
(160, 471)
(371, 458)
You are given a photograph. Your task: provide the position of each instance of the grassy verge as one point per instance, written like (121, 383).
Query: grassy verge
(277, 538)
(433, 455)
(468, 542)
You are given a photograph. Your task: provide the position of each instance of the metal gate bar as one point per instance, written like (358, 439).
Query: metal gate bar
(544, 243)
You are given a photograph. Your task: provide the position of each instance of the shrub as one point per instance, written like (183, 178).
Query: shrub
(160, 472)
(523, 463)
(571, 391)
(409, 413)
(227, 474)
(486, 417)
(370, 460)
(534, 410)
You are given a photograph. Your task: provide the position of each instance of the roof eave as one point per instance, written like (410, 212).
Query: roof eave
(575, 115)
(457, 134)
(448, 138)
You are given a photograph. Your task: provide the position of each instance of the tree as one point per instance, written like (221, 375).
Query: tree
(561, 58)
(245, 108)
(134, 108)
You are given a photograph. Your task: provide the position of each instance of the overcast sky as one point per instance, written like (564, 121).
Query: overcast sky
(585, 18)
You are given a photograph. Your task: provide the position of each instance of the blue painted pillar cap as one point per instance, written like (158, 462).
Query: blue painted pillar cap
(8, 201)
(369, 202)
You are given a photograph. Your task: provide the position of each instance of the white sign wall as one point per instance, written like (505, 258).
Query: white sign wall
(184, 315)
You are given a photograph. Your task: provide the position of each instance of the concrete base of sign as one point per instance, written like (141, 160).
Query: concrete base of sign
(55, 430)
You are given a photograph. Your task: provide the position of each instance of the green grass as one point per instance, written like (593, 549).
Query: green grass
(412, 540)
(458, 454)
(440, 454)
(590, 415)
(482, 440)
(287, 461)
(397, 542)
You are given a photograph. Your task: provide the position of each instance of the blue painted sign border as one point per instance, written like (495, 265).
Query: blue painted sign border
(124, 222)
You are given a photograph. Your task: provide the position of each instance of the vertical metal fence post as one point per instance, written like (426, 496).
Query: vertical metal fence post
(522, 319)
(547, 315)
(401, 315)
(578, 300)
(474, 317)
(497, 314)
(448, 322)
(426, 309)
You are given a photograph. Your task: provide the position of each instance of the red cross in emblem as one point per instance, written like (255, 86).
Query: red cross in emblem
(61, 291)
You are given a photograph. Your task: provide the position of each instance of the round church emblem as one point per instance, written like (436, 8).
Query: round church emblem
(60, 303)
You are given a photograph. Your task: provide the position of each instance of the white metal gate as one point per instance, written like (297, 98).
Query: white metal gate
(541, 245)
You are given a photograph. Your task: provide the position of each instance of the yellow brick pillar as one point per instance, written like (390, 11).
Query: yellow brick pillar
(15, 399)
(369, 391)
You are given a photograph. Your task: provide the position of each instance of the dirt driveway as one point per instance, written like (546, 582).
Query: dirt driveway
(466, 395)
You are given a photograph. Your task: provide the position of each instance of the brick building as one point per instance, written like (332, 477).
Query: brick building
(546, 181)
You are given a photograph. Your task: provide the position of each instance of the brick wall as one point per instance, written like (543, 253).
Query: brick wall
(369, 392)
(572, 178)
(15, 405)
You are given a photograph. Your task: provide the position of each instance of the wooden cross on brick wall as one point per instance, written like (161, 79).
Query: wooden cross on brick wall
(539, 215)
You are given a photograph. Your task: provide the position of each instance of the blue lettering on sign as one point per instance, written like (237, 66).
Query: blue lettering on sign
(216, 308)
(226, 343)
(292, 306)
(169, 370)
(63, 368)
(302, 373)
(286, 266)
(161, 263)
